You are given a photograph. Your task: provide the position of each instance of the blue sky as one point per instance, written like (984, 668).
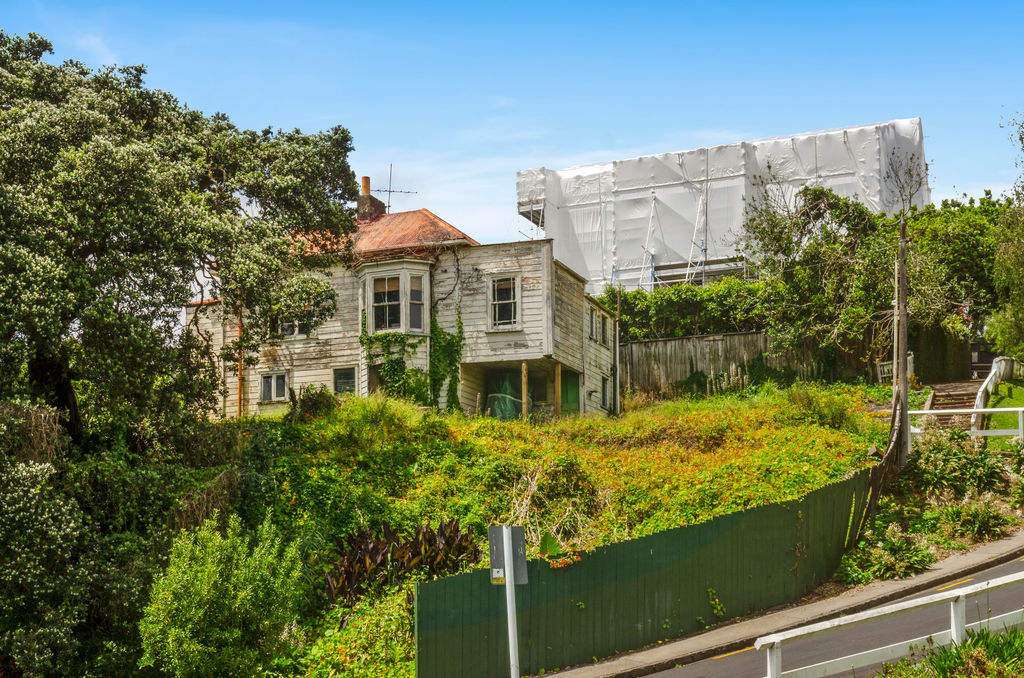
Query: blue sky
(460, 95)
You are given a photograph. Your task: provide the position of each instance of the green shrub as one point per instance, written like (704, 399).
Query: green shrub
(375, 638)
(949, 460)
(974, 519)
(224, 602)
(814, 404)
(44, 575)
(891, 554)
(313, 400)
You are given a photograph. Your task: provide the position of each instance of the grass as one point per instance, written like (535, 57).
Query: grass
(1007, 394)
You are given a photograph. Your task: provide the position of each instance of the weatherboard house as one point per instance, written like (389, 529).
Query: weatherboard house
(527, 324)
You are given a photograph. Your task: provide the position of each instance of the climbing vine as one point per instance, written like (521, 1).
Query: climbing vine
(445, 358)
(390, 352)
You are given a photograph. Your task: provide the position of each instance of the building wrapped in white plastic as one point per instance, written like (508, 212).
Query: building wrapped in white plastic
(676, 216)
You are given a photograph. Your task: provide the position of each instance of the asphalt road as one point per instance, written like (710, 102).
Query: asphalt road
(748, 662)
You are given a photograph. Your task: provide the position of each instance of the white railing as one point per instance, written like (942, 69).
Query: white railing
(957, 631)
(974, 412)
(1002, 369)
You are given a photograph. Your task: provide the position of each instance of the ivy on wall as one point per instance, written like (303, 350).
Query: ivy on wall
(391, 352)
(445, 358)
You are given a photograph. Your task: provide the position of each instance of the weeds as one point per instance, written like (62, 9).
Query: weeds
(975, 519)
(949, 460)
(983, 654)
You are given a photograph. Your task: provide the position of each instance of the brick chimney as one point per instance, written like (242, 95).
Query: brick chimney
(369, 207)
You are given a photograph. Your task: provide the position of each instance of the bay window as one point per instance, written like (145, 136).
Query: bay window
(397, 299)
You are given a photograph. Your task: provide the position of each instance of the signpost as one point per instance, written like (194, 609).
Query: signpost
(507, 547)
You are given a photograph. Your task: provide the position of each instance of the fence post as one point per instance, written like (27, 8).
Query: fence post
(1020, 423)
(957, 619)
(775, 660)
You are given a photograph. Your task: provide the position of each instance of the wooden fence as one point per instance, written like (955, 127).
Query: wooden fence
(628, 595)
(707, 363)
(632, 594)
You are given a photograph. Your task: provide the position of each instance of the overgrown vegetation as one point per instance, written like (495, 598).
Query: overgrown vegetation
(983, 655)
(819, 278)
(137, 536)
(330, 513)
(955, 492)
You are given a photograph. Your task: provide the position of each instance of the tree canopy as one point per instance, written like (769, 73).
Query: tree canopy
(118, 204)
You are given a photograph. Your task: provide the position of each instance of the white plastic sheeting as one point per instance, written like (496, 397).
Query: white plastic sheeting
(677, 215)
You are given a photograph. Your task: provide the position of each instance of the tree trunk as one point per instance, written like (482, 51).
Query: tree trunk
(50, 379)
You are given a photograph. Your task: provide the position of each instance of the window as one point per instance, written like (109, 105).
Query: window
(504, 310)
(604, 330)
(345, 380)
(273, 387)
(592, 323)
(416, 302)
(387, 305)
(604, 392)
(293, 329)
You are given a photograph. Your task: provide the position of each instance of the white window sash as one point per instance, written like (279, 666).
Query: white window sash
(493, 303)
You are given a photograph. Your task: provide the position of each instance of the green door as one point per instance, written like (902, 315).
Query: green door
(570, 392)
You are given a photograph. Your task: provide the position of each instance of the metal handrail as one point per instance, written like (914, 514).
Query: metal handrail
(956, 633)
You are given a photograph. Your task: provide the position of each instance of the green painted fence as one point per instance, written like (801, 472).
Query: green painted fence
(632, 594)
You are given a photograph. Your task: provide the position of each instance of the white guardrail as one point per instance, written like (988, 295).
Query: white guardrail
(1002, 369)
(956, 633)
(974, 411)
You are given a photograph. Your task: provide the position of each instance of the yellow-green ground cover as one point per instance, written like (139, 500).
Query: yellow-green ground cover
(574, 483)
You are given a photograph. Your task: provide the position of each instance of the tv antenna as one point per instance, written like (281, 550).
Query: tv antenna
(390, 190)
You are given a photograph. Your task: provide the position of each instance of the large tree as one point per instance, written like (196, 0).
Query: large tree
(829, 261)
(118, 204)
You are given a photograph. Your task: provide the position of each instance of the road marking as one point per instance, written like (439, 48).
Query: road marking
(954, 584)
(729, 654)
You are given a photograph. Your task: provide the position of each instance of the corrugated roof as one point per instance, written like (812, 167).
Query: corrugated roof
(405, 230)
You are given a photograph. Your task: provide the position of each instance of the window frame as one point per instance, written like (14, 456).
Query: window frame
(273, 376)
(516, 301)
(593, 323)
(605, 400)
(355, 379)
(387, 304)
(604, 330)
(421, 303)
(296, 332)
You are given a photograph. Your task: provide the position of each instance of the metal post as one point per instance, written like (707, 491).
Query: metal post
(775, 660)
(957, 619)
(510, 602)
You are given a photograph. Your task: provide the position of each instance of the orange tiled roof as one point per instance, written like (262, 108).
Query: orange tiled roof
(405, 230)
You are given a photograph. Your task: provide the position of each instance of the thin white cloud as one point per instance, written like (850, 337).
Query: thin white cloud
(472, 183)
(95, 48)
